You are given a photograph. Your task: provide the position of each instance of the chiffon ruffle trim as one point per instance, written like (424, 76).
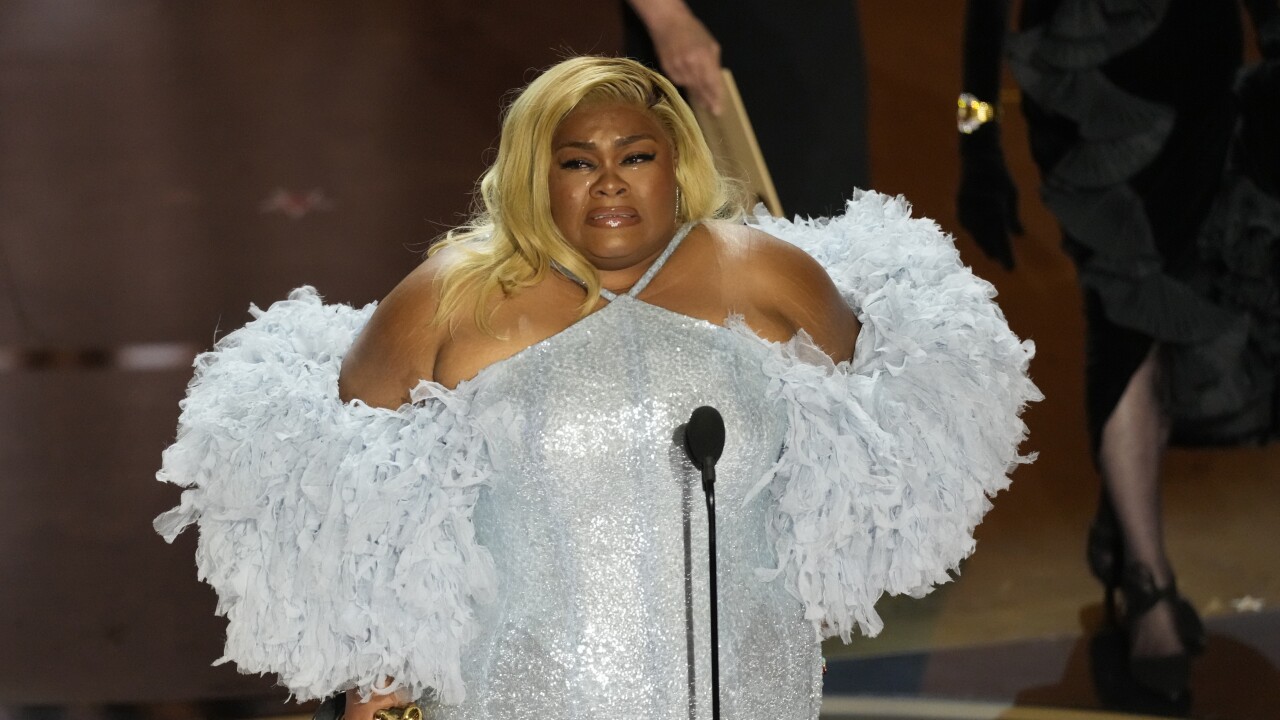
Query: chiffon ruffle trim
(890, 458)
(338, 537)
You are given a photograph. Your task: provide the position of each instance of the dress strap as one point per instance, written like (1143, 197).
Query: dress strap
(652, 272)
(648, 274)
(605, 293)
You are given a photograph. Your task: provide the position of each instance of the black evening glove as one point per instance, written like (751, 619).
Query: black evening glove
(987, 201)
(1258, 93)
(1266, 25)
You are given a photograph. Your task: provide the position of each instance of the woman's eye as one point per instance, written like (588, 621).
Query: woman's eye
(575, 164)
(640, 158)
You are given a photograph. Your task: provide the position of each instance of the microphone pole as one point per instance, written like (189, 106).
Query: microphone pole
(704, 441)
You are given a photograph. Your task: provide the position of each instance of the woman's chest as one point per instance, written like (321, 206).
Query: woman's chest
(597, 482)
(601, 406)
(535, 316)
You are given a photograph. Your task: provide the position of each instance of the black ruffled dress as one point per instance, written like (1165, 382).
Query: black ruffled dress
(1132, 119)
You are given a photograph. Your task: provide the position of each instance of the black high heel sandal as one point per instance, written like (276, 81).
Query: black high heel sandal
(1106, 557)
(1168, 675)
(1105, 553)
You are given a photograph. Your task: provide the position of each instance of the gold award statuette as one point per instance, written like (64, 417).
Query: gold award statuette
(733, 143)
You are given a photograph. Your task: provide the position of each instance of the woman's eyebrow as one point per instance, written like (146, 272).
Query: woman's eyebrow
(623, 142)
(620, 142)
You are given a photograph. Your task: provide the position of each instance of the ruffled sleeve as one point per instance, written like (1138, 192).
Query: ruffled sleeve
(890, 458)
(338, 537)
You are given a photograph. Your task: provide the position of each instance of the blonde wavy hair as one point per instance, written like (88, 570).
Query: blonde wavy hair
(510, 240)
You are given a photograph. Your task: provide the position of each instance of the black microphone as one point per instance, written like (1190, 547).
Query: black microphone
(704, 441)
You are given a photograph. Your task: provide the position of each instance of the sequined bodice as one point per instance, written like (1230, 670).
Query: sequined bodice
(598, 530)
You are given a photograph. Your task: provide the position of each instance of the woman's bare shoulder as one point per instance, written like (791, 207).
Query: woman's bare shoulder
(398, 347)
(758, 252)
(786, 286)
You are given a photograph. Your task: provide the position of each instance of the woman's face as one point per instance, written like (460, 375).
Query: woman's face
(613, 184)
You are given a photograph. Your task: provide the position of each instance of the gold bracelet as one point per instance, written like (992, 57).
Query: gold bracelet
(408, 712)
(972, 113)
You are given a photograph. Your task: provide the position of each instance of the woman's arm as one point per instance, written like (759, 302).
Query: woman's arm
(987, 200)
(395, 351)
(1258, 100)
(1266, 23)
(985, 23)
(687, 51)
(790, 292)
(398, 347)
(357, 710)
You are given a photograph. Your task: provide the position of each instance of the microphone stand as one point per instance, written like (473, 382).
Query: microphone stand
(704, 441)
(708, 487)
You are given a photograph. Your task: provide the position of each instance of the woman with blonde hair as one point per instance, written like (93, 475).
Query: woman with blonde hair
(473, 496)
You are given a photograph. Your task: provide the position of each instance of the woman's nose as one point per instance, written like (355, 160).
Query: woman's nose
(610, 184)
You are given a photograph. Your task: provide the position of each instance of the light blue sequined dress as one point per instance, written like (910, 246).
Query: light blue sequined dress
(599, 530)
(532, 544)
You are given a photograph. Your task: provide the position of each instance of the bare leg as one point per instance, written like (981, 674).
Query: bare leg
(1133, 444)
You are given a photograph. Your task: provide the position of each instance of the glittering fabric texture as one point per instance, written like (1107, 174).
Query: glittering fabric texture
(598, 529)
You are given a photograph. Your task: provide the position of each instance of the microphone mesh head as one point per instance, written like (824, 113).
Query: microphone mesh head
(704, 436)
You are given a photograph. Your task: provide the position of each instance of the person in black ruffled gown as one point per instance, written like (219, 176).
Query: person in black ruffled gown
(1162, 168)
